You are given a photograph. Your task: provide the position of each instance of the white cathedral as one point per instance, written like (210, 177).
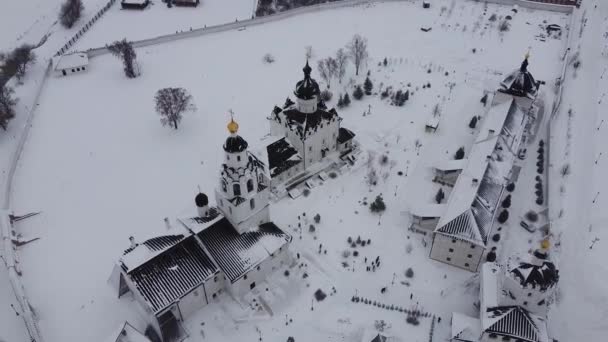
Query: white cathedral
(305, 134)
(514, 300)
(233, 247)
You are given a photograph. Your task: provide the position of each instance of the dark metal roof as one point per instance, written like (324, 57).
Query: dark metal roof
(237, 253)
(307, 88)
(173, 273)
(514, 322)
(281, 157)
(235, 144)
(462, 227)
(201, 200)
(542, 276)
(345, 135)
(521, 82)
(305, 122)
(157, 243)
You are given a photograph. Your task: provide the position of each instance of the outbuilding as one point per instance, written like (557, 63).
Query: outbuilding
(189, 3)
(71, 63)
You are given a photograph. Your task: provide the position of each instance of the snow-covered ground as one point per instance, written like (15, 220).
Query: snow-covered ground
(581, 197)
(101, 168)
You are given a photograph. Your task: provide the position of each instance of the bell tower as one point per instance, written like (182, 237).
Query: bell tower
(243, 192)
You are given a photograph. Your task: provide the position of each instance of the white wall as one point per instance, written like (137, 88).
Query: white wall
(528, 295)
(459, 257)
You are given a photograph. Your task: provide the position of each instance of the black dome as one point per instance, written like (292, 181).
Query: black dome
(520, 82)
(235, 144)
(307, 88)
(201, 200)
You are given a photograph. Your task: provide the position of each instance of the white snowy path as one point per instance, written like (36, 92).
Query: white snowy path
(582, 313)
(101, 168)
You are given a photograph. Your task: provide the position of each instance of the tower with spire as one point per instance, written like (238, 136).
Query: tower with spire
(242, 193)
(305, 132)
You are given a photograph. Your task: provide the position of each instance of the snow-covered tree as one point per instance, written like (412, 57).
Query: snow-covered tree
(346, 100)
(171, 103)
(368, 86)
(7, 106)
(357, 49)
(473, 122)
(358, 93)
(70, 12)
(16, 62)
(341, 62)
(439, 196)
(124, 50)
(378, 206)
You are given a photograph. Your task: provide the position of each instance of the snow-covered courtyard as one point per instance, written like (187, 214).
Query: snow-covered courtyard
(100, 168)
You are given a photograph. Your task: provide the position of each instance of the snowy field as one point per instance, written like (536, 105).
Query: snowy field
(100, 167)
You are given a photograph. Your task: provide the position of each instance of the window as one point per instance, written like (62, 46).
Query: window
(449, 259)
(506, 338)
(236, 188)
(469, 256)
(224, 186)
(83, 68)
(238, 158)
(472, 246)
(310, 148)
(542, 302)
(466, 264)
(453, 240)
(230, 209)
(451, 250)
(73, 70)
(228, 156)
(250, 185)
(252, 203)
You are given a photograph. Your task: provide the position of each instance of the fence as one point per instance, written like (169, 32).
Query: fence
(85, 28)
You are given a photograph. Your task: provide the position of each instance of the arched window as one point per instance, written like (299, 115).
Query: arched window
(250, 185)
(252, 203)
(224, 186)
(236, 188)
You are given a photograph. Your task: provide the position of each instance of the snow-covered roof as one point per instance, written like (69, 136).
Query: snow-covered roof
(536, 271)
(137, 255)
(428, 209)
(451, 164)
(281, 156)
(520, 82)
(196, 224)
(344, 135)
(236, 253)
(477, 190)
(125, 332)
(465, 328)
(172, 274)
(433, 121)
(73, 60)
(135, 2)
(515, 322)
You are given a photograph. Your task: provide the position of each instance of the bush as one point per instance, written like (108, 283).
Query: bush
(385, 93)
(70, 12)
(492, 17)
(326, 95)
(377, 206)
(541, 143)
(484, 99)
(409, 273)
(532, 216)
(358, 93)
(511, 187)
(473, 122)
(539, 201)
(268, 58)
(491, 257)
(7, 106)
(503, 216)
(312, 228)
(333, 175)
(459, 153)
(320, 295)
(506, 203)
(286, 273)
(496, 237)
(317, 218)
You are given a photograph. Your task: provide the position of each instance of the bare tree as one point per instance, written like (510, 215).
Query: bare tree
(357, 49)
(70, 12)
(327, 69)
(171, 103)
(341, 62)
(16, 62)
(7, 106)
(124, 50)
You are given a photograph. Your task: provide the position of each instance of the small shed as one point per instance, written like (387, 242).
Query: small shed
(187, 3)
(71, 63)
(426, 4)
(432, 124)
(134, 4)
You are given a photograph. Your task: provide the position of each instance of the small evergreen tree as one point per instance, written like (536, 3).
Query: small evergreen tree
(491, 257)
(484, 99)
(459, 153)
(473, 122)
(358, 93)
(506, 203)
(377, 206)
(385, 62)
(511, 187)
(368, 86)
(439, 196)
(70, 12)
(340, 102)
(503, 216)
(346, 100)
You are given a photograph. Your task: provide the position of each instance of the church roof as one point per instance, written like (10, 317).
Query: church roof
(345, 135)
(236, 253)
(520, 82)
(201, 200)
(234, 144)
(542, 275)
(307, 88)
(281, 157)
(303, 123)
(172, 274)
(517, 323)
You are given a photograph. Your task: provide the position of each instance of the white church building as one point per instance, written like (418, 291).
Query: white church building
(304, 134)
(461, 227)
(514, 300)
(233, 247)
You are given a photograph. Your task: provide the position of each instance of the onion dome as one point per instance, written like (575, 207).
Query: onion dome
(201, 200)
(308, 88)
(520, 82)
(234, 143)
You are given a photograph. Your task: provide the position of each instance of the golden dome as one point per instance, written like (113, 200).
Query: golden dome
(545, 244)
(233, 127)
